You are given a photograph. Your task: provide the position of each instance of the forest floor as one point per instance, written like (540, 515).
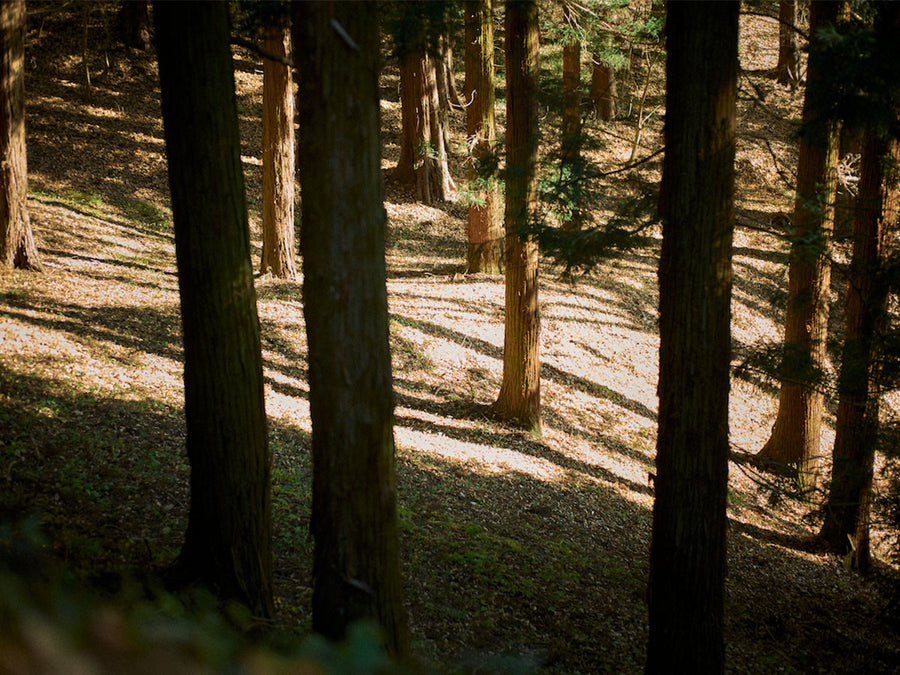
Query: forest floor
(518, 555)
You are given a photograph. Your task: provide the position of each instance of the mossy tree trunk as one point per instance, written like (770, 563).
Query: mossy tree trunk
(696, 204)
(278, 158)
(484, 225)
(356, 567)
(17, 247)
(793, 446)
(519, 401)
(228, 541)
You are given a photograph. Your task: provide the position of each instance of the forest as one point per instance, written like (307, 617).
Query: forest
(464, 336)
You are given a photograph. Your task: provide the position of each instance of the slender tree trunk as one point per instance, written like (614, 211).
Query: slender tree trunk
(423, 154)
(484, 226)
(846, 526)
(787, 71)
(794, 443)
(228, 541)
(571, 97)
(356, 568)
(688, 552)
(17, 247)
(278, 159)
(604, 92)
(450, 83)
(519, 400)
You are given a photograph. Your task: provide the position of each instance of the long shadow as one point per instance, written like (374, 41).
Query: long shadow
(547, 371)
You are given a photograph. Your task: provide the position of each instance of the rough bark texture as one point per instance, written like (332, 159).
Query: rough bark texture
(604, 92)
(423, 154)
(356, 569)
(228, 541)
(519, 400)
(571, 97)
(794, 443)
(787, 71)
(687, 556)
(278, 159)
(484, 225)
(845, 529)
(17, 248)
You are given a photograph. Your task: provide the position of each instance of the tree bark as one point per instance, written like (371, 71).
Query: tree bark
(356, 568)
(571, 97)
(278, 159)
(846, 527)
(696, 204)
(423, 155)
(604, 92)
(228, 541)
(787, 71)
(519, 400)
(484, 227)
(17, 247)
(794, 443)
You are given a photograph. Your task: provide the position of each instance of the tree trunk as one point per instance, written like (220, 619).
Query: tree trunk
(228, 541)
(604, 94)
(787, 71)
(134, 24)
(485, 229)
(450, 76)
(794, 443)
(846, 527)
(278, 159)
(356, 568)
(696, 204)
(423, 156)
(17, 248)
(519, 400)
(571, 97)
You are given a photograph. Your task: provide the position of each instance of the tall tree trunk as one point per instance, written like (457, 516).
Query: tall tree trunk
(278, 158)
(794, 443)
(571, 97)
(423, 154)
(696, 204)
(228, 539)
(17, 248)
(356, 568)
(519, 400)
(787, 71)
(604, 92)
(846, 526)
(450, 77)
(484, 226)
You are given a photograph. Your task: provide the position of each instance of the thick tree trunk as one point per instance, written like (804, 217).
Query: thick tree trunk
(846, 526)
(794, 443)
(687, 555)
(604, 92)
(787, 71)
(484, 226)
(423, 155)
(356, 569)
(519, 400)
(228, 540)
(17, 248)
(571, 97)
(278, 159)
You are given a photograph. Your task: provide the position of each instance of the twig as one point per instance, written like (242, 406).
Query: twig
(261, 51)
